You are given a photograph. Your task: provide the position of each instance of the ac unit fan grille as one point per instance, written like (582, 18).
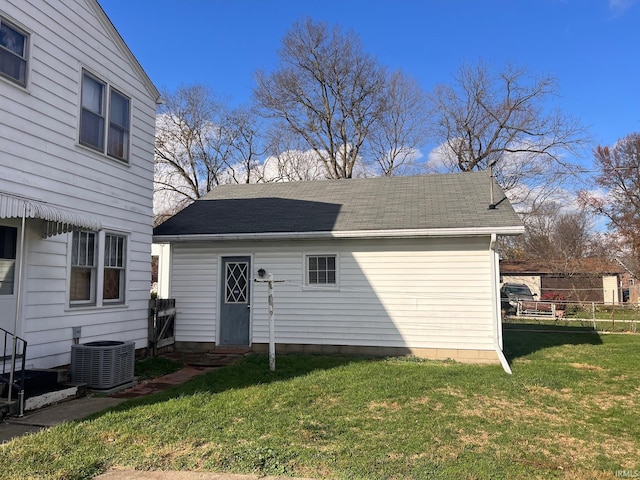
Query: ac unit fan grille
(103, 365)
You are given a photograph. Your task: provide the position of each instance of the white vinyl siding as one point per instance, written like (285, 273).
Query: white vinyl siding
(194, 285)
(41, 159)
(430, 293)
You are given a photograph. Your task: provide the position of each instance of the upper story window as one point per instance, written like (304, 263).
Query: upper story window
(13, 53)
(95, 112)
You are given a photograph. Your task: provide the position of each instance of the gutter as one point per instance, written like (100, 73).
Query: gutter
(396, 233)
(495, 294)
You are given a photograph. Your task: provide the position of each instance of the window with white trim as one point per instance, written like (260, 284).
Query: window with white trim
(13, 52)
(321, 270)
(97, 113)
(114, 268)
(8, 244)
(83, 269)
(98, 269)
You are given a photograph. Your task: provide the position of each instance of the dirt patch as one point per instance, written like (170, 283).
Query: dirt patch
(451, 391)
(566, 451)
(509, 411)
(586, 366)
(538, 390)
(479, 439)
(393, 406)
(607, 401)
(327, 401)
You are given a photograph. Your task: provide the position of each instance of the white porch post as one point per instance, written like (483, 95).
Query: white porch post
(16, 320)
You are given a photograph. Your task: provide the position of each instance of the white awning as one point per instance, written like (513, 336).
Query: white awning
(57, 220)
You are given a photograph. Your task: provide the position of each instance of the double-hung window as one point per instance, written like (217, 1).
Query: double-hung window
(114, 268)
(321, 270)
(98, 268)
(93, 111)
(13, 53)
(83, 268)
(104, 118)
(8, 242)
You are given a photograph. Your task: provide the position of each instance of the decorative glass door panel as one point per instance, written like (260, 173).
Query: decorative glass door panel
(237, 283)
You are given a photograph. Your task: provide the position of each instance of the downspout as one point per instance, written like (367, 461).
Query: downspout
(18, 301)
(495, 294)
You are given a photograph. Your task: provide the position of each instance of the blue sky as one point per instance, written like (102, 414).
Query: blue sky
(591, 46)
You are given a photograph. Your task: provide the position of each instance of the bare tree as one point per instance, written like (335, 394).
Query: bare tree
(619, 176)
(201, 143)
(485, 120)
(244, 134)
(401, 128)
(189, 152)
(557, 237)
(290, 159)
(327, 91)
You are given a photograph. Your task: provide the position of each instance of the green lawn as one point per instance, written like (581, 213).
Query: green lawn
(570, 410)
(561, 324)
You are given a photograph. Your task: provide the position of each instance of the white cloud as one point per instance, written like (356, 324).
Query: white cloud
(621, 6)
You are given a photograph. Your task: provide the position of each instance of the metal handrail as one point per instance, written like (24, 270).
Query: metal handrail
(15, 354)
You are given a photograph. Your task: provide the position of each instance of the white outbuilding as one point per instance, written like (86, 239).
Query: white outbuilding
(382, 266)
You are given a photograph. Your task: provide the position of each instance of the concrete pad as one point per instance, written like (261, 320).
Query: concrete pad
(76, 409)
(65, 411)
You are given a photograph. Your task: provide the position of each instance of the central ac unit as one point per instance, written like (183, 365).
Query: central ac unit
(103, 365)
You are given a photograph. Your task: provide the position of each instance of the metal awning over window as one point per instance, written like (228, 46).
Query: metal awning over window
(57, 220)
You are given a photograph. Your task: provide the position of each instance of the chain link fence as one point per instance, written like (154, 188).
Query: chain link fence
(594, 316)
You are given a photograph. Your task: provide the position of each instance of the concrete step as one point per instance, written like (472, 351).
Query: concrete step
(42, 387)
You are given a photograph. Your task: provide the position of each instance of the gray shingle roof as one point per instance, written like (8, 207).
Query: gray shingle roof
(446, 201)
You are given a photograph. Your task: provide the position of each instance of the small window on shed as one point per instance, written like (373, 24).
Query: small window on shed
(321, 270)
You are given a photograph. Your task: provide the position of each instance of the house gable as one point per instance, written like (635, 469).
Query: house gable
(124, 48)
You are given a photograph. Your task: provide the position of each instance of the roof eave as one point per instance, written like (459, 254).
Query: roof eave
(364, 234)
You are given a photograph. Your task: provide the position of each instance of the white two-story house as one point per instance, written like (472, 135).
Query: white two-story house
(77, 118)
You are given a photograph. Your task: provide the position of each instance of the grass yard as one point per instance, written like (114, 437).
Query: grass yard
(570, 410)
(562, 324)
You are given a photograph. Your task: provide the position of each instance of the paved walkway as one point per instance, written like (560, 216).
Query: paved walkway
(162, 383)
(80, 408)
